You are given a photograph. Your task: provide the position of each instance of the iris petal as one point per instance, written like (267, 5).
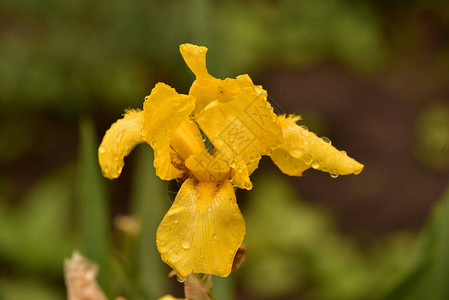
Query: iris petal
(288, 164)
(301, 145)
(206, 167)
(164, 111)
(203, 229)
(242, 130)
(205, 87)
(118, 142)
(195, 58)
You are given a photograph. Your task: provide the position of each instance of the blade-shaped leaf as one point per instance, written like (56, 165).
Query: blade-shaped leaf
(149, 204)
(93, 209)
(429, 275)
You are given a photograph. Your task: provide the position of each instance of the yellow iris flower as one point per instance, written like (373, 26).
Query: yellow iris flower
(204, 228)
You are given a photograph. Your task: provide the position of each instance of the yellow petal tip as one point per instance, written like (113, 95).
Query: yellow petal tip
(195, 58)
(118, 141)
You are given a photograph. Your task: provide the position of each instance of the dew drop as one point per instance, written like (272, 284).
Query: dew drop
(315, 164)
(180, 280)
(333, 173)
(176, 221)
(295, 152)
(307, 158)
(185, 243)
(327, 140)
(102, 150)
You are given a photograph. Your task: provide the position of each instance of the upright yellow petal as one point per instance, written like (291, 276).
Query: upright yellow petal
(195, 58)
(303, 148)
(118, 141)
(205, 87)
(242, 130)
(206, 167)
(203, 229)
(164, 111)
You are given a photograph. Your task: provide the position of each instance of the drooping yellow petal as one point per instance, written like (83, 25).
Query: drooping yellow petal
(288, 164)
(118, 141)
(164, 111)
(301, 145)
(206, 167)
(242, 130)
(203, 229)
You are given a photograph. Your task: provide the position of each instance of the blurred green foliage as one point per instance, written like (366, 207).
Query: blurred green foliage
(68, 57)
(294, 247)
(432, 131)
(36, 237)
(428, 274)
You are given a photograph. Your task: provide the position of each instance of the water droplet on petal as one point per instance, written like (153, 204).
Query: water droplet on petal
(315, 164)
(326, 139)
(295, 152)
(333, 173)
(185, 243)
(307, 158)
(180, 280)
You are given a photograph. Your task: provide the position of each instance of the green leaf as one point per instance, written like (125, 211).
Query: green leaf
(429, 275)
(93, 209)
(149, 204)
(224, 288)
